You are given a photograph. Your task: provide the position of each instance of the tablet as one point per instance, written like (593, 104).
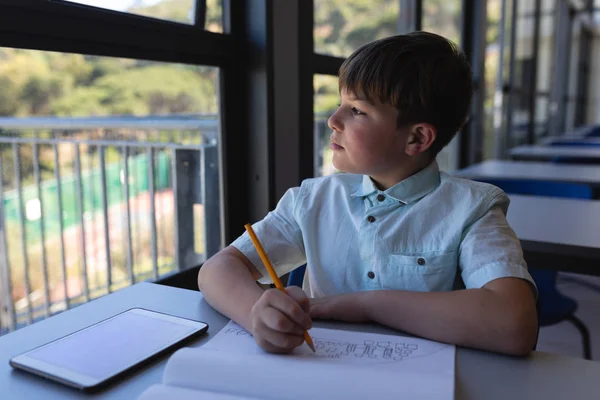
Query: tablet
(94, 356)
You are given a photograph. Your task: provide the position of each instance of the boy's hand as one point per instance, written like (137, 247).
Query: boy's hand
(344, 307)
(279, 319)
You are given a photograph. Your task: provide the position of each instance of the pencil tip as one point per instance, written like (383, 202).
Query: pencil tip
(312, 347)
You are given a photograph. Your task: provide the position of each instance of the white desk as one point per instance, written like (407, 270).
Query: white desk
(547, 153)
(530, 170)
(479, 375)
(570, 141)
(556, 233)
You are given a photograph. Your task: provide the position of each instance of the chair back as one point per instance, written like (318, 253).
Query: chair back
(296, 277)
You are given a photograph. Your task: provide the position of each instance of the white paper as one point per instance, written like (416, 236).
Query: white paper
(349, 365)
(387, 351)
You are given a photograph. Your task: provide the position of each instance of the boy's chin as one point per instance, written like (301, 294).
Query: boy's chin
(348, 168)
(340, 167)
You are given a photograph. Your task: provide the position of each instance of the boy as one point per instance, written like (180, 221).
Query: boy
(393, 241)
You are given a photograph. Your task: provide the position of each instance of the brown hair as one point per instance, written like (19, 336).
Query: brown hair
(423, 75)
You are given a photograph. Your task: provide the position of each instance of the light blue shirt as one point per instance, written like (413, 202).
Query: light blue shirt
(430, 232)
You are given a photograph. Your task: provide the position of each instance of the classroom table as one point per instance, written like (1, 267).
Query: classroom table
(556, 233)
(570, 141)
(479, 375)
(584, 131)
(588, 175)
(574, 154)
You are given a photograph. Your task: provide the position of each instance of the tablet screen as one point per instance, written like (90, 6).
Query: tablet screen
(111, 346)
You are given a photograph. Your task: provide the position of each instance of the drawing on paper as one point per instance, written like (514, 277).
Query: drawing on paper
(386, 351)
(238, 331)
(365, 350)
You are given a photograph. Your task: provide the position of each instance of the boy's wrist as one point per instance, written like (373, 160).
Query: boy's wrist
(365, 303)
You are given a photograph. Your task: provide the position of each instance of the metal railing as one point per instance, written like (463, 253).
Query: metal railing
(85, 209)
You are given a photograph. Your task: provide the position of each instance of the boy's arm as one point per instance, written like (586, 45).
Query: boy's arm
(497, 313)
(277, 320)
(501, 316)
(228, 282)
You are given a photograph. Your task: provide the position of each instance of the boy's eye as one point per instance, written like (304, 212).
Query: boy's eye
(356, 111)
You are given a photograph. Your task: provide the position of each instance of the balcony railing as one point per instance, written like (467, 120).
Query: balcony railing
(90, 205)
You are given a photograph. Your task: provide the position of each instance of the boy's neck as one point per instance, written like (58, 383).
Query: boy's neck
(386, 181)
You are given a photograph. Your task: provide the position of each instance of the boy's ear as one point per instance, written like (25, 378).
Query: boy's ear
(420, 138)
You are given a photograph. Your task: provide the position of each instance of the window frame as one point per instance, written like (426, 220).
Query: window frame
(48, 25)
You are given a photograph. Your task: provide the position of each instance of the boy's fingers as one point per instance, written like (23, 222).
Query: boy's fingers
(279, 342)
(285, 303)
(303, 301)
(269, 347)
(275, 320)
(298, 294)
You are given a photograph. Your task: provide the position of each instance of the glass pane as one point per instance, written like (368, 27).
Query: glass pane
(493, 94)
(522, 74)
(541, 116)
(449, 156)
(443, 18)
(526, 8)
(545, 51)
(326, 101)
(548, 6)
(343, 26)
(172, 10)
(86, 156)
(570, 117)
(574, 73)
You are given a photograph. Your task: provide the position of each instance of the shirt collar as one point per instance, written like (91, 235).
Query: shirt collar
(410, 189)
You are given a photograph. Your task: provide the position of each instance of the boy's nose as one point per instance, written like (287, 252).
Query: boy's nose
(334, 123)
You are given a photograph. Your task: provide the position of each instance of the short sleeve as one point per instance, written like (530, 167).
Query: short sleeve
(490, 249)
(281, 237)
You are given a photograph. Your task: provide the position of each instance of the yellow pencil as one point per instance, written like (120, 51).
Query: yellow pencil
(274, 277)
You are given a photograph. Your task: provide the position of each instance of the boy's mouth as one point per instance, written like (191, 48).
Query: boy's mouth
(333, 144)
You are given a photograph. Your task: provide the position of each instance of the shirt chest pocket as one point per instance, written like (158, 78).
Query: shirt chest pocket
(426, 272)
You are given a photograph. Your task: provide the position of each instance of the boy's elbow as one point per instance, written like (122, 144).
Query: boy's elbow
(520, 347)
(203, 275)
(200, 279)
(521, 336)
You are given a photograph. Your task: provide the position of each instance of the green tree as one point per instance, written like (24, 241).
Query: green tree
(183, 11)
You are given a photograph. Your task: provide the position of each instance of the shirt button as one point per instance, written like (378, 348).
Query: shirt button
(371, 218)
(371, 274)
(381, 197)
(421, 261)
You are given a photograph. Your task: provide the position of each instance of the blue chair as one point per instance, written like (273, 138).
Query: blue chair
(553, 306)
(296, 277)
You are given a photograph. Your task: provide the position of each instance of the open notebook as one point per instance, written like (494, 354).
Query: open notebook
(348, 365)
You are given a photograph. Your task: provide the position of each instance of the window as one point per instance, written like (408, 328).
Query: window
(443, 18)
(326, 101)
(89, 153)
(343, 26)
(493, 93)
(523, 74)
(183, 11)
